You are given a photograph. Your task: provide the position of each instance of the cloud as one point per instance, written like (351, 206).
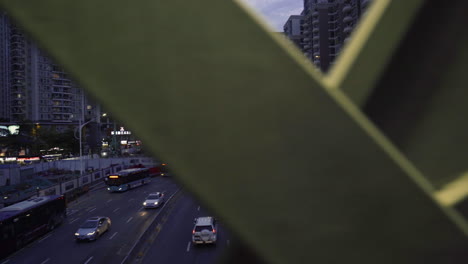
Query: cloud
(276, 12)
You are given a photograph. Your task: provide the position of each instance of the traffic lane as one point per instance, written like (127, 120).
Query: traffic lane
(126, 228)
(209, 253)
(173, 244)
(46, 248)
(134, 229)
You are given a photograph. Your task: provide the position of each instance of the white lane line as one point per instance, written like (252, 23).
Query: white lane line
(115, 210)
(188, 246)
(45, 261)
(73, 220)
(130, 219)
(90, 258)
(108, 201)
(141, 208)
(198, 208)
(6, 261)
(44, 238)
(113, 235)
(92, 209)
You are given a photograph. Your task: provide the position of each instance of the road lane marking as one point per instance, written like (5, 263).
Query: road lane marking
(73, 220)
(89, 260)
(141, 208)
(92, 209)
(198, 208)
(188, 246)
(113, 235)
(110, 200)
(45, 261)
(6, 261)
(44, 238)
(130, 219)
(115, 210)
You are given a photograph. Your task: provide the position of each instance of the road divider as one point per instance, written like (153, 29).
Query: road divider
(150, 233)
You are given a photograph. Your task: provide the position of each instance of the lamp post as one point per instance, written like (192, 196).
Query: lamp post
(80, 128)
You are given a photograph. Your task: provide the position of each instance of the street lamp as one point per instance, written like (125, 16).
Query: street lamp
(80, 128)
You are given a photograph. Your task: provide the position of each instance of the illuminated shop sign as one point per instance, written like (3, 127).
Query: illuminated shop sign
(6, 131)
(29, 159)
(122, 131)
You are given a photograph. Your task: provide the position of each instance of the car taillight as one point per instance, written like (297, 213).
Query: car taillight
(193, 231)
(214, 230)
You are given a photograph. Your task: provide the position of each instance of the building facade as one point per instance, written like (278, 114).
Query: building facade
(293, 29)
(326, 26)
(33, 88)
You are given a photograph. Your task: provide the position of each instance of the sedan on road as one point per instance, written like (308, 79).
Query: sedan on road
(93, 228)
(154, 200)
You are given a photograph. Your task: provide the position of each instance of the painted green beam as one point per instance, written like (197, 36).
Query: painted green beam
(374, 42)
(295, 169)
(420, 100)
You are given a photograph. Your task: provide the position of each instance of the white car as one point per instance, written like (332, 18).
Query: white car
(93, 228)
(154, 200)
(205, 230)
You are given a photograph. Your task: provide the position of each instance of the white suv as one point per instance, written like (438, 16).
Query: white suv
(205, 230)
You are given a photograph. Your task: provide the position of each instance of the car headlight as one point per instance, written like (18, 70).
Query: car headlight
(77, 234)
(155, 203)
(120, 189)
(108, 189)
(144, 203)
(92, 233)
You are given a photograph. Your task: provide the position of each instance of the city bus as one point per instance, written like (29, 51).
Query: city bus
(127, 179)
(23, 222)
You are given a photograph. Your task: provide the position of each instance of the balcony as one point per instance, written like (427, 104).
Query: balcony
(364, 4)
(347, 8)
(347, 29)
(348, 19)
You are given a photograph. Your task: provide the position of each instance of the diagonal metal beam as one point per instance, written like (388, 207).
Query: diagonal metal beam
(374, 42)
(295, 169)
(420, 100)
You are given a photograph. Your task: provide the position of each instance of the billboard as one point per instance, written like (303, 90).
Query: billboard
(6, 131)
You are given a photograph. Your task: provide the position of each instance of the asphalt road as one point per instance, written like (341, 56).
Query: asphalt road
(172, 243)
(129, 221)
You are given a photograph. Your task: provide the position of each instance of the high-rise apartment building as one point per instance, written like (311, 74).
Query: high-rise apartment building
(293, 29)
(4, 65)
(326, 27)
(34, 88)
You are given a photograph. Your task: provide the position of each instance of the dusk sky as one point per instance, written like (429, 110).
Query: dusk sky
(276, 12)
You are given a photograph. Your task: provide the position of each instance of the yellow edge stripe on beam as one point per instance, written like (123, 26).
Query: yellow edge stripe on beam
(453, 192)
(364, 30)
(395, 154)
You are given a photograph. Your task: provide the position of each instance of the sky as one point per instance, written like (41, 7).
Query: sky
(276, 12)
